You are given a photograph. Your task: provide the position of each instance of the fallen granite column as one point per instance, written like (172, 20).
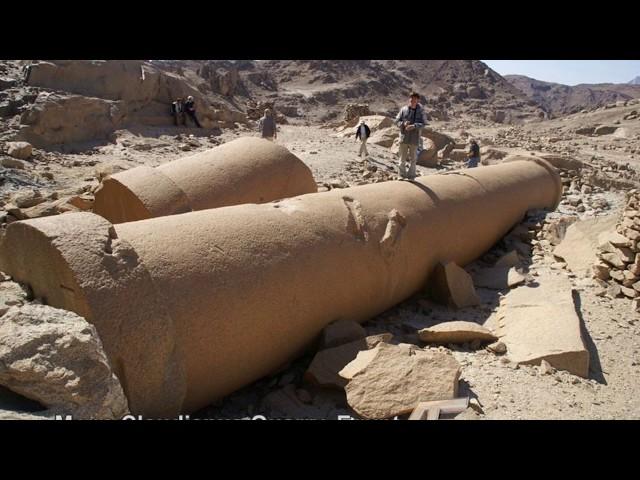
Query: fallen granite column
(245, 170)
(192, 307)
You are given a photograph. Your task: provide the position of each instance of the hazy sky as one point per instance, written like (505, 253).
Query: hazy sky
(570, 72)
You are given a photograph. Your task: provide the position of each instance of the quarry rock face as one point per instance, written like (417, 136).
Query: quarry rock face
(93, 98)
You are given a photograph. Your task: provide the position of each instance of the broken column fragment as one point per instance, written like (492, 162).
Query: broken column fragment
(245, 170)
(451, 285)
(192, 307)
(541, 323)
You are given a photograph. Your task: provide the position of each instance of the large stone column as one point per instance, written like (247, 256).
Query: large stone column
(192, 307)
(245, 170)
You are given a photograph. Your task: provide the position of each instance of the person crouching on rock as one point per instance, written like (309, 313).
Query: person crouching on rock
(363, 133)
(190, 109)
(473, 154)
(267, 126)
(177, 109)
(410, 120)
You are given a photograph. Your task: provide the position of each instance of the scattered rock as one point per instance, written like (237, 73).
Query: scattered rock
(82, 202)
(324, 368)
(510, 259)
(497, 347)
(56, 358)
(11, 294)
(604, 130)
(498, 278)
(456, 332)
(545, 368)
(20, 150)
(29, 199)
(341, 332)
(13, 163)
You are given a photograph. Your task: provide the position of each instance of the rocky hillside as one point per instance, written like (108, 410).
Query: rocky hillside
(318, 90)
(558, 99)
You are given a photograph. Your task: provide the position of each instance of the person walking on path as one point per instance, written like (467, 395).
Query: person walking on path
(363, 132)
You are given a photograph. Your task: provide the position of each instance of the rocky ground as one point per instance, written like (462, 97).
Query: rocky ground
(598, 153)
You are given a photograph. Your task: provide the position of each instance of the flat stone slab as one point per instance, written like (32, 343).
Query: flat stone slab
(456, 332)
(580, 244)
(397, 378)
(541, 323)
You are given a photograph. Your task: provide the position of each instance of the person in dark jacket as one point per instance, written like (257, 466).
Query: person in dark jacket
(410, 120)
(363, 132)
(473, 154)
(177, 109)
(267, 126)
(190, 109)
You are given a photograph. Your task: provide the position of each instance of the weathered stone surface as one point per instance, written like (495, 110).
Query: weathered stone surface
(8, 162)
(497, 347)
(614, 238)
(456, 332)
(358, 364)
(11, 294)
(376, 122)
(580, 244)
(510, 259)
(82, 202)
(397, 378)
(56, 358)
(428, 156)
(498, 278)
(613, 259)
(604, 130)
(341, 332)
(601, 270)
(28, 199)
(629, 292)
(452, 285)
(324, 368)
(545, 368)
(541, 324)
(384, 136)
(21, 150)
(617, 275)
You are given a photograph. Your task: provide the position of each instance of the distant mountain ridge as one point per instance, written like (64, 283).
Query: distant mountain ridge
(558, 99)
(635, 81)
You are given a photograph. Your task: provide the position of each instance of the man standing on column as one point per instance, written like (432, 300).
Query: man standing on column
(410, 120)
